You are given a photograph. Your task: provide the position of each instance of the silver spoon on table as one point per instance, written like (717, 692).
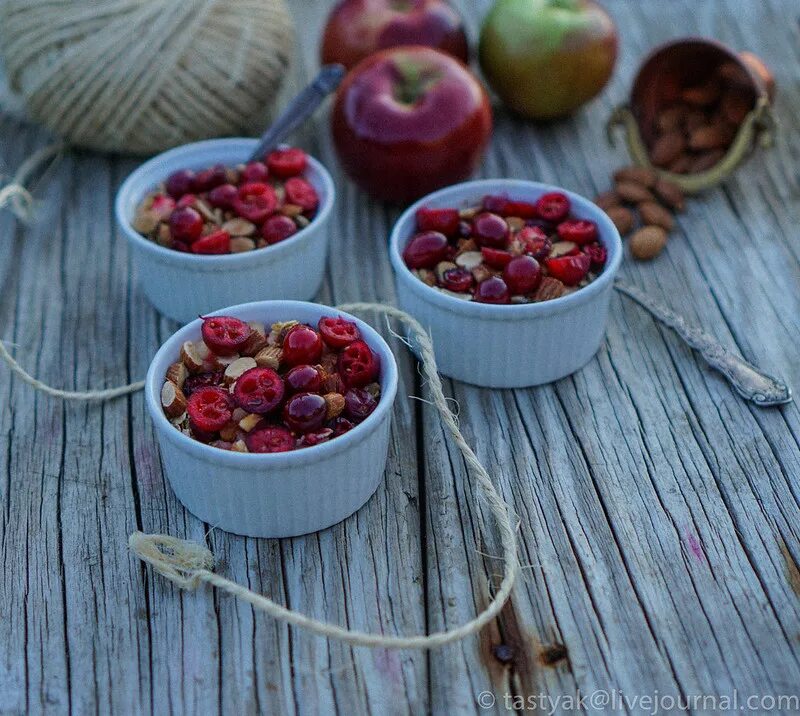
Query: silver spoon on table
(748, 380)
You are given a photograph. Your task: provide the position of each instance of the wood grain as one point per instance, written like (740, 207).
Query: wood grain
(659, 513)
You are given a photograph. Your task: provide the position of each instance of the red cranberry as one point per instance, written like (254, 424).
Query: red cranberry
(316, 437)
(224, 335)
(209, 178)
(490, 230)
(302, 344)
(218, 242)
(302, 194)
(222, 196)
(285, 163)
(522, 209)
(277, 228)
(358, 365)
(570, 270)
(458, 280)
(259, 390)
(425, 250)
(186, 224)
(200, 380)
(254, 172)
(492, 290)
(496, 258)
(578, 230)
(181, 246)
(359, 403)
(304, 379)
(255, 201)
(269, 439)
(522, 275)
(341, 426)
(535, 242)
(338, 332)
(553, 207)
(597, 254)
(496, 204)
(305, 412)
(179, 183)
(209, 409)
(445, 221)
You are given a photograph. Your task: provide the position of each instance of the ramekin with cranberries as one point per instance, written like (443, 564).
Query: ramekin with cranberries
(210, 228)
(273, 417)
(513, 279)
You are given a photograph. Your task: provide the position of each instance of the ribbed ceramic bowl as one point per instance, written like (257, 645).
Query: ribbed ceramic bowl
(281, 494)
(508, 346)
(183, 286)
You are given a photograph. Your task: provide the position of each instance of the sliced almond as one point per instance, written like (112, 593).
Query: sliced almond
(515, 223)
(216, 362)
(426, 276)
(469, 259)
(239, 446)
(562, 248)
(177, 373)
(269, 357)
(249, 421)
(230, 432)
(240, 244)
(335, 405)
(164, 235)
(549, 288)
(239, 227)
(172, 399)
(145, 221)
(205, 210)
(235, 369)
(256, 340)
(194, 355)
(291, 210)
(469, 213)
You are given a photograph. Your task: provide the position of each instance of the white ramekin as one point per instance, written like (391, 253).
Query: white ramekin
(183, 286)
(509, 346)
(282, 494)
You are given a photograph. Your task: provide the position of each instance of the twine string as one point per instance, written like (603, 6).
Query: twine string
(189, 564)
(14, 194)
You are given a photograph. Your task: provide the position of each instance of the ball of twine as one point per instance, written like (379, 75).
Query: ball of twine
(139, 76)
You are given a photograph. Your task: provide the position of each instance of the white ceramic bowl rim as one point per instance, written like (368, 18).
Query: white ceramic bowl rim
(172, 160)
(314, 453)
(474, 191)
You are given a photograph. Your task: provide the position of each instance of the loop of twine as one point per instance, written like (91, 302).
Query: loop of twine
(188, 564)
(14, 193)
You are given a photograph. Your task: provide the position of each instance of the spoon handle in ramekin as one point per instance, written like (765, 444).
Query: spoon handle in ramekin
(748, 380)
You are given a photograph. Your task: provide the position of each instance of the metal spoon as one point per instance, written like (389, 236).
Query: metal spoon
(299, 109)
(750, 382)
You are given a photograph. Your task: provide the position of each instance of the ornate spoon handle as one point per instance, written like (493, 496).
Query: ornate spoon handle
(750, 382)
(300, 108)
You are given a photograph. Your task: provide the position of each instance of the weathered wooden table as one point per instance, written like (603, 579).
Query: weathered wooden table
(660, 513)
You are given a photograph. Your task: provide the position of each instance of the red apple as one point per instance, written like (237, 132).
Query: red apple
(357, 28)
(409, 120)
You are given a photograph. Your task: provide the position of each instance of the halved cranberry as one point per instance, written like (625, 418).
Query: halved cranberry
(535, 241)
(522, 275)
(277, 228)
(162, 206)
(496, 204)
(458, 280)
(492, 290)
(186, 200)
(341, 426)
(579, 231)
(255, 201)
(304, 379)
(597, 254)
(316, 437)
(553, 207)
(259, 390)
(305, 412)
(302, 344)
(185, 224)
(302, 193)
(359, 403)
(179, 183)
(496, 258)
(211, 177)
(570, 270)
(224, 335)
(338, 332)
(425, 250)
(445, 221)
(209, 408)
(269, 439)
(358, 365)
(218, 242)
(284, 163)
(181, 246)
(223, 196)
(490, 230)
(522, 209)
(200, 380)
(254, 172)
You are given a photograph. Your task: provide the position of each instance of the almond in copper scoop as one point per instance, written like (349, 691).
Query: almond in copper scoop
(640, 175)
(682, 165)
(671, 118)
(632, 192)
(654, 214)
(648, 242)
(711, 136)
(622, 218)
(705, 161)
(667, 148)
(703, 95)
(670, 194)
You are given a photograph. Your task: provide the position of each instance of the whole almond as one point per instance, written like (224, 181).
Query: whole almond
(671, 118)
(682, 164)
(240, 244)
(654, 214)
(670, 194)
(622, 218)
(711, 136)
(633, 193)
(648, 242)
(705, 161)
(172, 400)
(735, 106)
(667, 148)
(702, 95)
(239, 227)
(694, 119)
(640, 175)
(249, 421)
(607, 199)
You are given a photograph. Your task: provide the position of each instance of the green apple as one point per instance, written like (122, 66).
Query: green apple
(545, 58)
